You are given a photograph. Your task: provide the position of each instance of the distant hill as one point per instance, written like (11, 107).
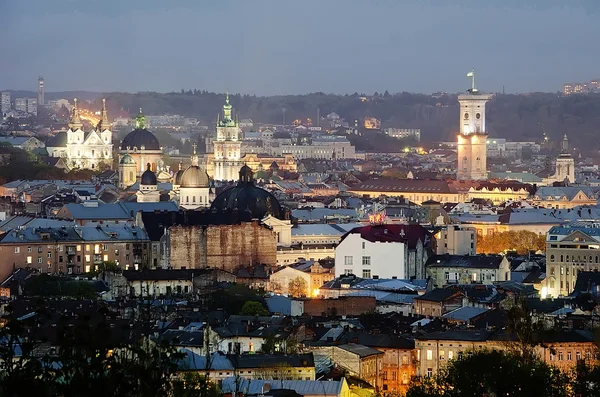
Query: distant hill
(515, 117)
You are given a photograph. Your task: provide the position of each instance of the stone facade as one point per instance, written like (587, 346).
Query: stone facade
(225, 247)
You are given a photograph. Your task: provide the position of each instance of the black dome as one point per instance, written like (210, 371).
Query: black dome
(142, 139)
(246, 197)
(148, 177)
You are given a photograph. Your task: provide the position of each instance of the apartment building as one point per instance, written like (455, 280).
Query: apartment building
(73, 249)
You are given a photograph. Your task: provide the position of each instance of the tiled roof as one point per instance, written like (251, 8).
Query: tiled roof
(409, 234)
(360, 350)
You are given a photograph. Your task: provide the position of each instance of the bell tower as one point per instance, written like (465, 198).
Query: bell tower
(472, 139)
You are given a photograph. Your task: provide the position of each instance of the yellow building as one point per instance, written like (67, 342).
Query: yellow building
(415, 190)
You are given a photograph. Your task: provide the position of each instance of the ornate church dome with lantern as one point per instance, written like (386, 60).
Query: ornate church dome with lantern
(247, 197)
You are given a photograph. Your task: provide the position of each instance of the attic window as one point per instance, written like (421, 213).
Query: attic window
(553, 238)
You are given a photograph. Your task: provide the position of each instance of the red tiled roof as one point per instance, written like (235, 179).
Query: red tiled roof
(409, 234)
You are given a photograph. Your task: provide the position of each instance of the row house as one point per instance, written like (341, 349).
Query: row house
(73, 249)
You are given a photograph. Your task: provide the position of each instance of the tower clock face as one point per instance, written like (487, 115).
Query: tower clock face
(466, 116)
(478, 116)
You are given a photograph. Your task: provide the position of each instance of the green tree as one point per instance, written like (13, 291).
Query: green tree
(253, 308)
(493, 373)
(298, 287)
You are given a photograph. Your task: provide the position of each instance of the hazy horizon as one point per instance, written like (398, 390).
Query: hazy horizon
(269, 47)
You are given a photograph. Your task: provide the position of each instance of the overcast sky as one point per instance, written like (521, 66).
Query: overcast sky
(267, 47)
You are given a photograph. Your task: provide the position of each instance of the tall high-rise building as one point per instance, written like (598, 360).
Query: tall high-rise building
(4, 103)
(227, 146)
(21, 105)
(472, 151)
(31, 106)
(40, 98)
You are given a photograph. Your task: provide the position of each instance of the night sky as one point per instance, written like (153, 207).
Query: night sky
(268, 47)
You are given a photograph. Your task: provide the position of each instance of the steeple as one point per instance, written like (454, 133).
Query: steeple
(227, 108)
(75, 122)
(194, 156)
(564, 146)
(103, 124)
(140, 121)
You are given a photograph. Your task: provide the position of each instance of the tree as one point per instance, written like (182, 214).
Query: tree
(298, 287)
(521, 241)
(253, 308)
(493, 373)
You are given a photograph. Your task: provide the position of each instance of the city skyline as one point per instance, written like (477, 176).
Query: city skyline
(270, 48)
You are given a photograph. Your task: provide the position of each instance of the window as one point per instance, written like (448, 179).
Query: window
(366, 261)
(551, 258)
(560, 356)
(578, 356)
(552, 270)
(551, 357)
(429, 372)
(87, 258)
(450, 354)
(363, 245)
(393, 375)
(366, 273)
(569, 356)
(404, 360)
(442, 355)
(39, 259)
(562, 269)
(29, 260)
(17, 250)
(28, 249)
(429, 355)
(49, 255)
(348, 260)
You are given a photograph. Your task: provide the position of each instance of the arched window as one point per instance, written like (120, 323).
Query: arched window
(567, 258)
(596, 259)
(187, 199)
(131, 175)
(193, 199)
(551, 258)
(562, 258)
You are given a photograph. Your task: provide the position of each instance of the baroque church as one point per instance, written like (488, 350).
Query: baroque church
(141, 161)
(84, 149)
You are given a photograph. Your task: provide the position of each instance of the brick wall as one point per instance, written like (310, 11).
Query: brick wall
(344, 306)
(225, 247)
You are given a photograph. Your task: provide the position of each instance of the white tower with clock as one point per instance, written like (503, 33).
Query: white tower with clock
(472, 139)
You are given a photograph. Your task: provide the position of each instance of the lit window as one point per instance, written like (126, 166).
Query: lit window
(17, 250)
(105, 258)
(87, 258)
(429, 355)
(29, 260)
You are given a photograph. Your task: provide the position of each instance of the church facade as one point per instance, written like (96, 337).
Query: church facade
(225, 161)
(84, 149)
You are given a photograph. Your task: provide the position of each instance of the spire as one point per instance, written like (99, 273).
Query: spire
(194, 156)
(564, 147)
(140, 121)
(227, 109)
(75, 122)
(104, 124)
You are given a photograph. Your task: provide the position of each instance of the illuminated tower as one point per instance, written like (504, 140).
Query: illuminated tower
(472, 138)
(40, 100)
(227, 146)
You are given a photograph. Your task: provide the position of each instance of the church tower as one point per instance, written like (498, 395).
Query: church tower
(472, 139)
(227, 146)
(565, 164)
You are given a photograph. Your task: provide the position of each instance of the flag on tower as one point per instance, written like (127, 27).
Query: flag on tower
(470, 74)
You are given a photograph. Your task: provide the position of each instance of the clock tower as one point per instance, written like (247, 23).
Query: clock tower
(472, 139)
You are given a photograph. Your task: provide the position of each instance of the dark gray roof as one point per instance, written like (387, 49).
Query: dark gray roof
(360, 350)
(58, 140)
(158, 274)
(438, 295)
(458, 335)
(378, 340)
(468, 261)
(272, 360)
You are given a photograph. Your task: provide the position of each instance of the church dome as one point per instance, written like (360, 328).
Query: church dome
(192, 177)
(247, 197)
(148, 177)
(142, 139)
(127, 159)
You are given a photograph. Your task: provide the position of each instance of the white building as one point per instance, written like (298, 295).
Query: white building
(472, 150)
(26, 105)
(456, 240)
(565, 166)
(5, 102)
(401, 133)
(192, 185)
(326, 147)
(83, 149)
(383, 251)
